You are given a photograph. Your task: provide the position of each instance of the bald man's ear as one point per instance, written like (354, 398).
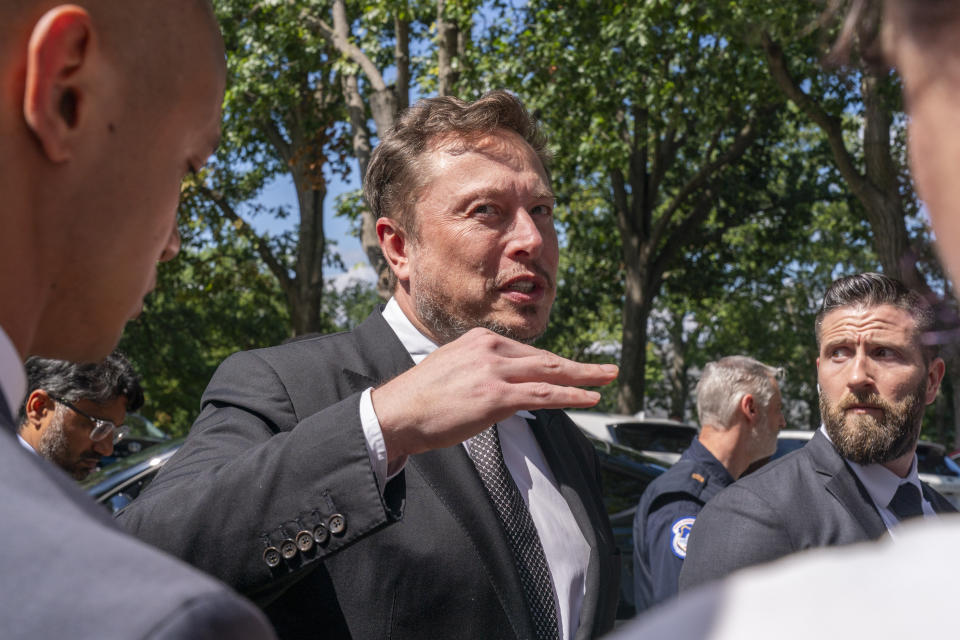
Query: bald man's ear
(393, 244)
(58, 77)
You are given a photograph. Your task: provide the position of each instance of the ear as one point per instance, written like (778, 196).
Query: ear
(934, 376)
(38, 406)
(394, 246)
(56, 89)
(748, 405)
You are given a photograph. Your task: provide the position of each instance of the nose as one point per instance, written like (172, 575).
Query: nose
(104, 447)
(526, 237)
(172, 248)
(861, 373)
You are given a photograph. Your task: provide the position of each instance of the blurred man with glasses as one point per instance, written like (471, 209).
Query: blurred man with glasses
(74, 413)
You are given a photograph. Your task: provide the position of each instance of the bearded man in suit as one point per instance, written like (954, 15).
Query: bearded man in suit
(106, 105)
(857, 478)
(303, 452)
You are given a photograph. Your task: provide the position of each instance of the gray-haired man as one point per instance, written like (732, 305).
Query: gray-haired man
(739, 406)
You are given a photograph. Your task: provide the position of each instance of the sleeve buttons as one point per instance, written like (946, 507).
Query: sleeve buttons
(271, 556)
(337, 524)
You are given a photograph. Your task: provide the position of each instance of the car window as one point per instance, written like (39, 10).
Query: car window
(788, 445)
(624, 481)
(645, 437)
(932, 460)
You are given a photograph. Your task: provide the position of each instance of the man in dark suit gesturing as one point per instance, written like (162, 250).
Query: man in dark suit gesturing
(106, 105)
(502, 536)
(857, 477)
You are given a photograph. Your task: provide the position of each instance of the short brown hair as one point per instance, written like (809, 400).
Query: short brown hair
(873, 290)
(394, 175)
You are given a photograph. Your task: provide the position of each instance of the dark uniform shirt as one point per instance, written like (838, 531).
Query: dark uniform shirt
(663, 520)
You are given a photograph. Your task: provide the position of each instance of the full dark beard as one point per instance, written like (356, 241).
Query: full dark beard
(865, 439)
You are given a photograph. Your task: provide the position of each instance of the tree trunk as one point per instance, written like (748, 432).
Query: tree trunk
(447, 48)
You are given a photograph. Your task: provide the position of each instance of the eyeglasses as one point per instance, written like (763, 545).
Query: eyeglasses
(101, 428)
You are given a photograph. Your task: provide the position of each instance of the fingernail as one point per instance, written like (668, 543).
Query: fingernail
(610, 368)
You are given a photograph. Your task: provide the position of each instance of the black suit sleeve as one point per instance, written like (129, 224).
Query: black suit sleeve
(254, 474)
(736, 529)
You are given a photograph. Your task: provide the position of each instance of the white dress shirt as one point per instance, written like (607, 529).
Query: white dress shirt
(564, 545)
(881, 484)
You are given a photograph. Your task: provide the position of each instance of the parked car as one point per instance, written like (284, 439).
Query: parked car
(625, 474)
(933, 465)
(142, 435)
(117, 485)
(939, 471)
(789, 440)
(659, 438)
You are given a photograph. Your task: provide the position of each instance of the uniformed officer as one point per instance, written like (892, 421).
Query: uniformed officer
(739, 406)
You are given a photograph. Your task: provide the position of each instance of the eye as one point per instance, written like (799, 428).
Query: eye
(884, 353)
(839, 353)
(541, 210)
(484, 210)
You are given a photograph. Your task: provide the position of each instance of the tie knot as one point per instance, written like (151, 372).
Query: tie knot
(906, 502)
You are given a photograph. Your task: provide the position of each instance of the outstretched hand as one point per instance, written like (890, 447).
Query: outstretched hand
(467, 385)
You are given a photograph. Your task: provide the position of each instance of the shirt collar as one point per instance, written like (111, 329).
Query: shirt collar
(13, 378)
(417, 345)
(699, 453)
(880, 482)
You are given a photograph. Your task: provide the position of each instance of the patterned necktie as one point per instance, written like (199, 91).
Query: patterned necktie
(522, 533)
(906, 502)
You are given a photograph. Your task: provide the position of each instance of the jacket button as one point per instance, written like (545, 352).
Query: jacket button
(337, 524)
(305, 541)
(271, 556)
(288, 548)
(321, 534)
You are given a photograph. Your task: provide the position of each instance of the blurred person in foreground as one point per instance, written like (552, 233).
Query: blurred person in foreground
(106, 106)
(887, 590)
(740, 412)
(74, 412)
(502, 536)
(857, 478)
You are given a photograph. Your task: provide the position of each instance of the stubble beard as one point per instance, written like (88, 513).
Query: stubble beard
(448, 322)
(55, 447)
(865, 439)
(764, 444)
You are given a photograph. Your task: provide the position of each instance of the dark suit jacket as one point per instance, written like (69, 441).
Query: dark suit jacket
(809, 498)
(69, 572)
(278, 449)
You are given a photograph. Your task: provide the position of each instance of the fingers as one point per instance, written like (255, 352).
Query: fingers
(518, 362)
(547, 367)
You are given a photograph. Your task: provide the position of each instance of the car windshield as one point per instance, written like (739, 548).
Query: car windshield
(789, 445)
(932, 460)
(653, 437)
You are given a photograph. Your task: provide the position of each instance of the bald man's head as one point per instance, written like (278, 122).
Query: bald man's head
(106, 105)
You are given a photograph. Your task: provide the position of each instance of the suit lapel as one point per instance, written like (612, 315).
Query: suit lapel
(937, 501)
(573, 486)
(843, 485)
(383, 355)
(452, 476)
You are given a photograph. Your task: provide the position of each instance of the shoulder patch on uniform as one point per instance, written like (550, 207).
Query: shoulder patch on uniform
(699, 478)
(681, 533)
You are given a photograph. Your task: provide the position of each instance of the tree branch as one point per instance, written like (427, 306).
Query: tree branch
(259, 243)
(339, 37)
(831, 126)
(744, 138)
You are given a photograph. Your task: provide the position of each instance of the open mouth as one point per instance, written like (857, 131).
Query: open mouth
(522, 286)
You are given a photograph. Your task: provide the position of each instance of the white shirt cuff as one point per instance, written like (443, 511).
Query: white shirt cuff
(376, 447)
